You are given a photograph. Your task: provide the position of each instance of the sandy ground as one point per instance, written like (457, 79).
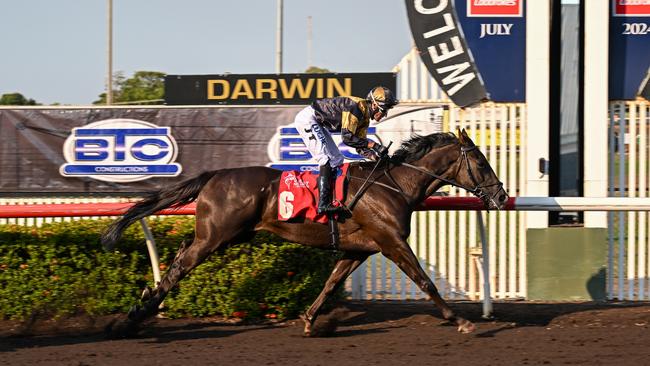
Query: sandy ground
(369, 333)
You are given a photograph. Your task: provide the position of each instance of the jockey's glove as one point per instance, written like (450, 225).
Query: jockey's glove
(380, 150)
(367, 153)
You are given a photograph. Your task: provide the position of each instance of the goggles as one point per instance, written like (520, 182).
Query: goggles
(381, 108)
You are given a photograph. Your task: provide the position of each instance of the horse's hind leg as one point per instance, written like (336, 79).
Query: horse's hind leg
(148, 292)
(342, 269)
(403, 256)
(211, 234)
(187, 258)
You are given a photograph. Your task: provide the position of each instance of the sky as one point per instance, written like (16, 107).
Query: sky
(55, 51)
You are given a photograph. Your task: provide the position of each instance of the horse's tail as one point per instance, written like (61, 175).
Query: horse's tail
(176, 195)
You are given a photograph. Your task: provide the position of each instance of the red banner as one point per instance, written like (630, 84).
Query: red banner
(495, 8)
(628, 8)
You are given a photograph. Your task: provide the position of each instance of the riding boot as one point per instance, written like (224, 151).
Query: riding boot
(325, 205)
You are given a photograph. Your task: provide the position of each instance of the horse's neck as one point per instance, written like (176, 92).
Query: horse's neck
(439, 162)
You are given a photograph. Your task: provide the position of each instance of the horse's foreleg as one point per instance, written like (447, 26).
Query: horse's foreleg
(403, 256)
(342, 269)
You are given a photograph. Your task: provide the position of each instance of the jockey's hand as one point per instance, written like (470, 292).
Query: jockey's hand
(367, 154)
(380, 150)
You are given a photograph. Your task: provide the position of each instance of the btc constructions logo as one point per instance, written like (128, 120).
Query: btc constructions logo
(120, 150)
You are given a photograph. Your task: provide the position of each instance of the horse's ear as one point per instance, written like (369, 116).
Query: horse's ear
(464, 137)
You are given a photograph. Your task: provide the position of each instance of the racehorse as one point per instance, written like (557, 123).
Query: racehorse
(232, 204)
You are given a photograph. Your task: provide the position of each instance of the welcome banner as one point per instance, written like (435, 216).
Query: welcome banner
(443, 49)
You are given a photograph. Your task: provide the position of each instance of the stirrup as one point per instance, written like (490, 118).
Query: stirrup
(342, 207)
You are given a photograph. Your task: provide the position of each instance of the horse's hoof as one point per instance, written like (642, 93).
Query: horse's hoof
(134, 312)
(121, 329)
(465, 326)
(307, 331)
(146, 294)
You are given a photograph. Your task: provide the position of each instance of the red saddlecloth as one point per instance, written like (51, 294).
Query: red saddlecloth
(298, 194)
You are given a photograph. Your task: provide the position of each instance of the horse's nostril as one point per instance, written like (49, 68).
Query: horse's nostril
(502, 198)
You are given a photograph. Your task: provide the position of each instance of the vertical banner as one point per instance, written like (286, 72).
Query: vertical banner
(440, 43)
(495, 31)
(629, 49)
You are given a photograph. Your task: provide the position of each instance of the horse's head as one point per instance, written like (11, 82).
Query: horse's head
(475, 174)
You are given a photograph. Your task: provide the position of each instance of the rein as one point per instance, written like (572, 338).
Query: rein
(478, 189)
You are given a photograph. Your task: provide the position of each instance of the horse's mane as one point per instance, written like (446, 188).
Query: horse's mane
(417, 146)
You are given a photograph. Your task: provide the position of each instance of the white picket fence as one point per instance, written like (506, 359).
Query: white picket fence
(629, 239)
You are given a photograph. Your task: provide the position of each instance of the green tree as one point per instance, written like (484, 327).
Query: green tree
(145, 87)
(16, 99)
(316, 70)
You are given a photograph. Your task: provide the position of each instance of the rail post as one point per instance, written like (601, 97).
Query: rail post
(153, 252)
(487, 295)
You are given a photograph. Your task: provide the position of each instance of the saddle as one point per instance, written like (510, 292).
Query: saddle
(298, 195)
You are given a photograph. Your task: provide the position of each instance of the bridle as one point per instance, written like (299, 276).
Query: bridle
(478, 190)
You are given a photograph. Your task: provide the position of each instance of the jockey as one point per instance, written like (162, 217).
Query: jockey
(351, 116)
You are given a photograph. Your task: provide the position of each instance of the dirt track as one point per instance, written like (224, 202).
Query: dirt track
(370, 333)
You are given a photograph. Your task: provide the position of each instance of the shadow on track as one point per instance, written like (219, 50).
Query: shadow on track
(513, 314)
(159, 331)
(356, 319)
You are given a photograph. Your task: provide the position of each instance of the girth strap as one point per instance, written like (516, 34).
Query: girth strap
(334, 232)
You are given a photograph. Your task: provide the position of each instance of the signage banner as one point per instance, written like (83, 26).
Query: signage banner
(443, 49)
(629, 47)
(268, 89)
(495, 31)
(120, 150)
(113, 151)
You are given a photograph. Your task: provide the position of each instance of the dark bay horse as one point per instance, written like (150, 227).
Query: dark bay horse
(232, 204)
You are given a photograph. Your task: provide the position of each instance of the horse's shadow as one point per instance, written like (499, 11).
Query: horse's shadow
(506, 315)
(172, 333)
(154, 332)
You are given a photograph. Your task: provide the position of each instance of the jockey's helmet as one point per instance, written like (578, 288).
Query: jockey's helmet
(384, 98)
